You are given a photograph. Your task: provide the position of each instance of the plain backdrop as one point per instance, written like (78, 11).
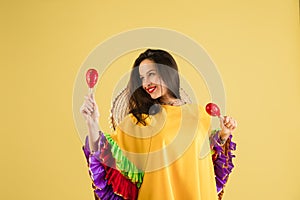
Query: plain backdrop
(254, 44)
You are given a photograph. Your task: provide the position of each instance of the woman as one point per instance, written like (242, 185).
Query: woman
(156, 151)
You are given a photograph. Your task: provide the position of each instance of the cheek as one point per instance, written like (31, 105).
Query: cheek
(164, 90)
(163, 84)
(156, 79)
(144, 84)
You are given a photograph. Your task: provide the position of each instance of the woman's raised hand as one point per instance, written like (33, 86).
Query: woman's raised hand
(227, 125)
(89, 109)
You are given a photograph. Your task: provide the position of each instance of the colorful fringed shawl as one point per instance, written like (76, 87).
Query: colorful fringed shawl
(116, 178)
(113, 175)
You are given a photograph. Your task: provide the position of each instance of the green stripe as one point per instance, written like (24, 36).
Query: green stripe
(124, 165)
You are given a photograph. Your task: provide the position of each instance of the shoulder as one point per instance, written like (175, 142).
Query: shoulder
(198, 111)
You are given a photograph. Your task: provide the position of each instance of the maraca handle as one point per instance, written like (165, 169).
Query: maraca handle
(91, 90)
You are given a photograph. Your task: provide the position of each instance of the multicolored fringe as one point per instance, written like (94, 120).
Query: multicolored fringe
(114, 176)
(222, 160)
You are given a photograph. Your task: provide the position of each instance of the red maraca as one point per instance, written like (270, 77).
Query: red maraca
(213, 110)
(91, 78)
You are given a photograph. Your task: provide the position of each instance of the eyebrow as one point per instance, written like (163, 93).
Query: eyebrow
(151, 70)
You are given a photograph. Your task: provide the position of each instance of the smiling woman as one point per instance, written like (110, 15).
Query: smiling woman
(156, 151)
(154, 80)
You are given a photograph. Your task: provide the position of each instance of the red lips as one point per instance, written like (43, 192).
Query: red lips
(150, 89)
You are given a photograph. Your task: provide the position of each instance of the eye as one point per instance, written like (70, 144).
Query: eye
(151, 74)
(141, 78)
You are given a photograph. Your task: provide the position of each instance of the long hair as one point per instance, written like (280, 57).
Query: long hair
(140, 102)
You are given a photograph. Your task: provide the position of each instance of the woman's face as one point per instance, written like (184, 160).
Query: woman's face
(151, 80)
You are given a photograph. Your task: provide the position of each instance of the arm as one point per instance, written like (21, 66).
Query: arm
(89, 110)
(113, 175)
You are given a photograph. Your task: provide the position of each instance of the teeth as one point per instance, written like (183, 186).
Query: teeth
(151, 89)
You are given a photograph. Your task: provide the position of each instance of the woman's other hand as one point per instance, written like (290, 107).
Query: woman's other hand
(227, 125)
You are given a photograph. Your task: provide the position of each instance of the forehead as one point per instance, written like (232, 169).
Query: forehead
(146, 66)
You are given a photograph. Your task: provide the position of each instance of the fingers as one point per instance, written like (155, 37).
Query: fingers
(94, 101)
(89, 103)
(229, 123)
(85, 110)
(88, 106)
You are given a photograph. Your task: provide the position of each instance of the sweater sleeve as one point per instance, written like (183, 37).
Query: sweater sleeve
(222, 159)
(113, 176)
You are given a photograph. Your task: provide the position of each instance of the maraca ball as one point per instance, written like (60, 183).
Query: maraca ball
(91, 77)
(212, 109)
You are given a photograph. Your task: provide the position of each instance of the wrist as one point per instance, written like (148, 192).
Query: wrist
(223, 137)
(91, 121)
(222, 141)
(92, 125)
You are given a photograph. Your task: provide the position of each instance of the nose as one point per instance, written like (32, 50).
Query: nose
(146, 82)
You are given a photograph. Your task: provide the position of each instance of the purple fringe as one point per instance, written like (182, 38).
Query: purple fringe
(223, 164)
(97, 173)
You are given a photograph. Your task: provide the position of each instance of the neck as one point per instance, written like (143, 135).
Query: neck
(166, 99)
(171, 101)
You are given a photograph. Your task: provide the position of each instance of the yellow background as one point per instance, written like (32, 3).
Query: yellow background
(255, 45)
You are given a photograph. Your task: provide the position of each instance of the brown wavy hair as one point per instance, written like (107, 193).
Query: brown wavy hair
(140, 102)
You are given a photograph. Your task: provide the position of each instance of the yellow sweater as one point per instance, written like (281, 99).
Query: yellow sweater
(173, 150)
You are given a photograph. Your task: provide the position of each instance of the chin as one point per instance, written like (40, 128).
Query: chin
(154, 96)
